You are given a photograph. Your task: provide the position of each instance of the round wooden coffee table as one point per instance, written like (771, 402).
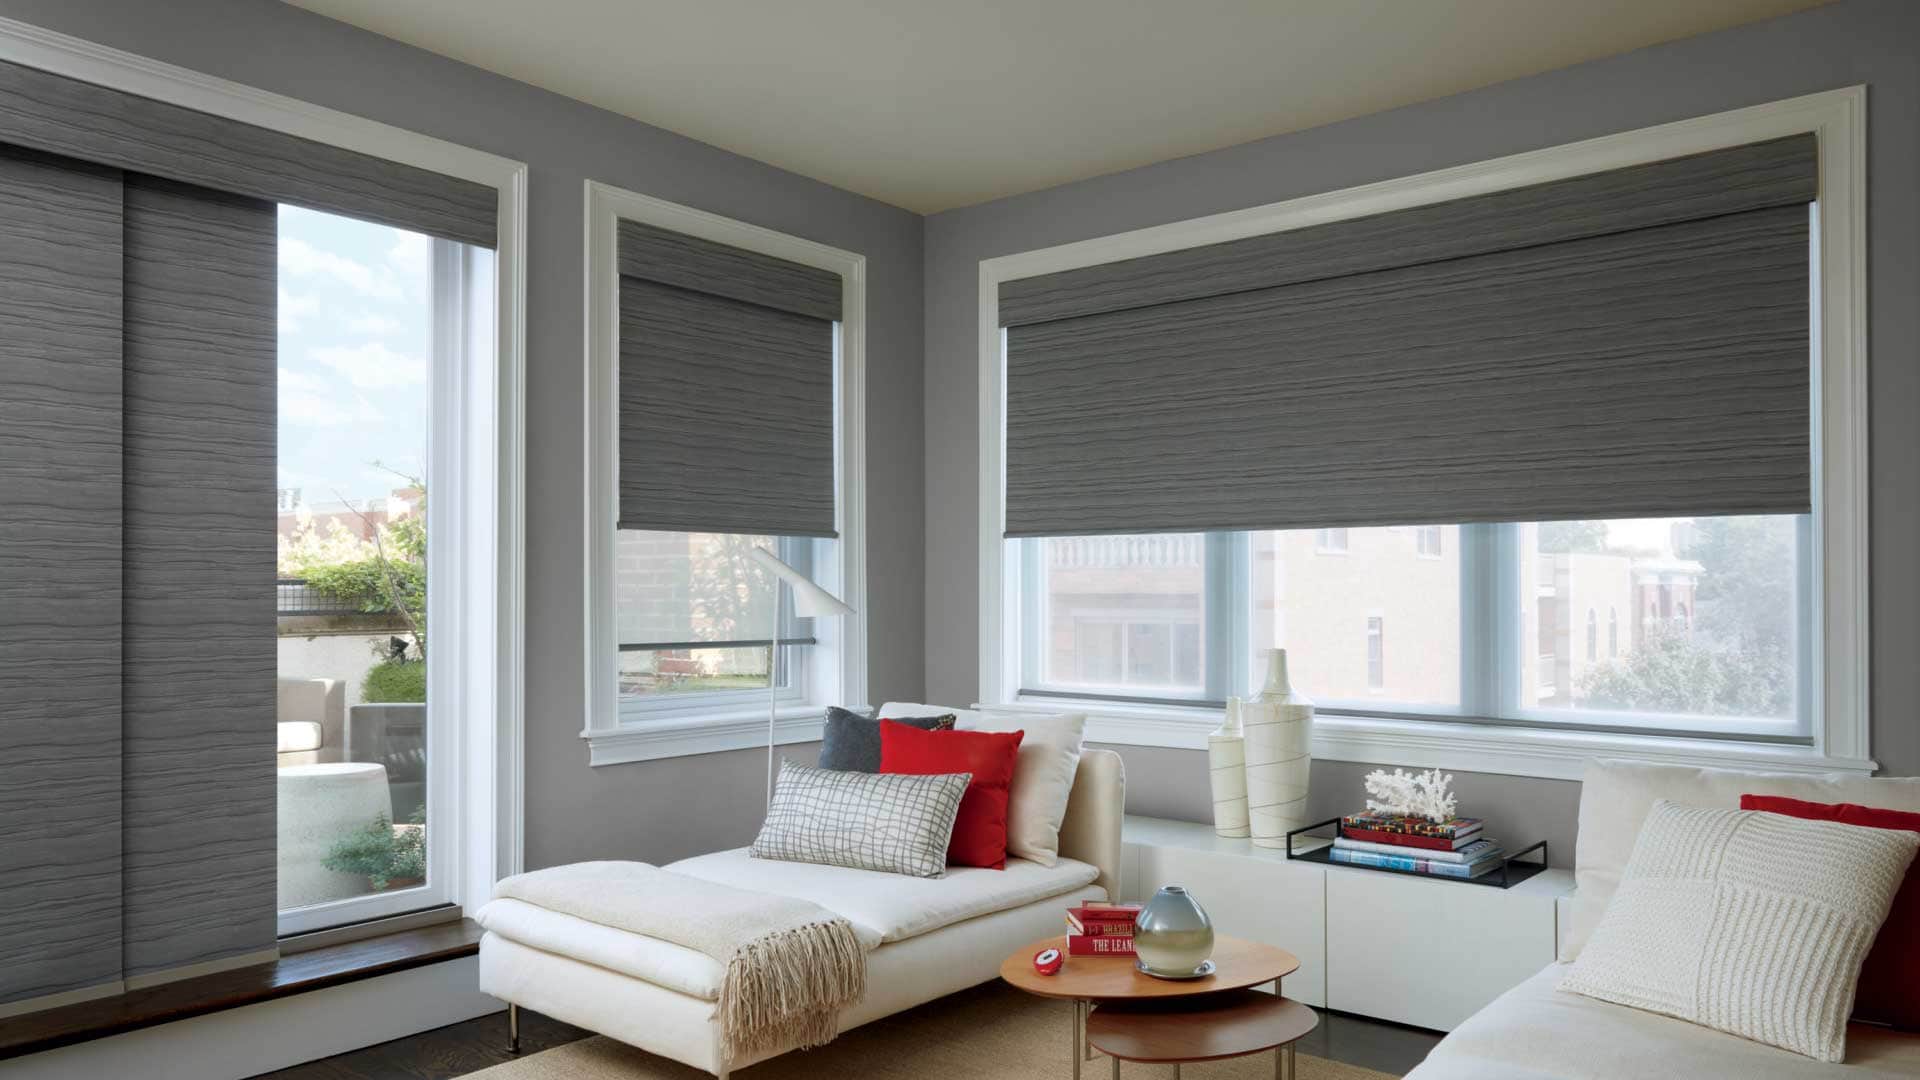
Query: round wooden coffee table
(1239, 964)
(1225, 1025)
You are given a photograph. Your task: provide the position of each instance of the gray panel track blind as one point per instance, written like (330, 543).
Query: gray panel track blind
(60, 489)
(49, 112)
(199, 664)
(726, 389)
(1569, 370)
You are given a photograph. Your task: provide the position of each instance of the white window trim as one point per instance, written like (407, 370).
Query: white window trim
(478, 654)
(1840, 706)
(838, 672)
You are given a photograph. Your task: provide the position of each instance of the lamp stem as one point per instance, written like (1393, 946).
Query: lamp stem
(773, 686)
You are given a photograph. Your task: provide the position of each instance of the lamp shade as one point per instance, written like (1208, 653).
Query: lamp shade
(809, 599)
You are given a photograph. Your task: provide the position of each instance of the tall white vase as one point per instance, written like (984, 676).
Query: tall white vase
(1227, 771)
(1279, 741)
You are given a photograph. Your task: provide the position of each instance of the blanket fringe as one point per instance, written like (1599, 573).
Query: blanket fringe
(787, 989)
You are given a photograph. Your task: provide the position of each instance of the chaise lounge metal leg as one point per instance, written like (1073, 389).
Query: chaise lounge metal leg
(513, 1029)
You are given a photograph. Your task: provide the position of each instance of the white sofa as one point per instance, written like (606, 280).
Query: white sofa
(929, 936)
(1535, 1031)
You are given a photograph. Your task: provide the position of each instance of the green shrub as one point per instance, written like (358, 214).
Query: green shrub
(381, 853)
(395, 681)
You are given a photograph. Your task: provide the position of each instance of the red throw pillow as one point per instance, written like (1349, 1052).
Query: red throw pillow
(980, 832)
(1889, 990)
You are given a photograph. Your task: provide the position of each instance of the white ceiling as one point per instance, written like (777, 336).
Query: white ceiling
(933, 104)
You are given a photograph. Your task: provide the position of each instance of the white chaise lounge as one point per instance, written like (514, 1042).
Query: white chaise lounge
(929, 936)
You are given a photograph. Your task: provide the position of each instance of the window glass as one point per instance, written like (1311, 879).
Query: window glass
(1122, 613)
(356, 313)
(1331, 614)
(1717, 601)
(674, 592)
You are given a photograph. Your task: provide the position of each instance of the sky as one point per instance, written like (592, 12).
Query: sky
(355, 334)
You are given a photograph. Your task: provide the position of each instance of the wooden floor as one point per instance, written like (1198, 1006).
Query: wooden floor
(454, 1051)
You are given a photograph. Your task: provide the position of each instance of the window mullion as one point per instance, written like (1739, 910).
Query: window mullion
(1229, 614)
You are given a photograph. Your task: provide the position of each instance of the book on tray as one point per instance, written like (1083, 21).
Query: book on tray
(1476, 848)
(1416, 863)
(1415, 832)
(1107, 945)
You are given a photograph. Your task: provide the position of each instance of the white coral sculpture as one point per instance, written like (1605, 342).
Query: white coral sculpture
(1411, 795)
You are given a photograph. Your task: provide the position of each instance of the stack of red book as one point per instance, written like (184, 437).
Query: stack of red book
(1098, 928)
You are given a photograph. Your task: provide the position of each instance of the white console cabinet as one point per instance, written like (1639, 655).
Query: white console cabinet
(1394, 946)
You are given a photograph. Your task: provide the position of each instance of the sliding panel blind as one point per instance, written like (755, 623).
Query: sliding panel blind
(44, 111)
(1568, 370)
(726, 389)
(200, 654)
(60, 489)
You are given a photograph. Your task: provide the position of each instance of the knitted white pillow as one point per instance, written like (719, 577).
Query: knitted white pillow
(1746, 922)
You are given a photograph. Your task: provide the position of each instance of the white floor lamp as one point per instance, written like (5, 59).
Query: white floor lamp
(809, 601)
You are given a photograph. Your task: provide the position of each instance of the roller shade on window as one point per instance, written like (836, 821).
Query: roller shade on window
(1633, 343)
(43, 111)
(726, 388)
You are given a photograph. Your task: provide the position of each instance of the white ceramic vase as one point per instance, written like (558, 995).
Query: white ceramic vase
(1278, 724)
(1227, 772)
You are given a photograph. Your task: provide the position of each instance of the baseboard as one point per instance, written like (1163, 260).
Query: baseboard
(246, 1041)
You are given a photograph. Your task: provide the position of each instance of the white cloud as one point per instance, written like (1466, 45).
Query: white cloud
(293, 308)
(301, 259)
(368, 324)
(305, 401)
(372, 366)
(411, 255)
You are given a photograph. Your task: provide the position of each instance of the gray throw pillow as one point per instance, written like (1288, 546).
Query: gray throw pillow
(851, 742)
(896, 823)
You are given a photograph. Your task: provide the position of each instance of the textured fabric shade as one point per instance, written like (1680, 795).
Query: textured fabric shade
(44, 111)
(726, 389)
(137, 645)
(1657, 368)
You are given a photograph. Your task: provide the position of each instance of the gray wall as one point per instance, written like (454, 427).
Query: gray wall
(650, 811)
(1859, 41)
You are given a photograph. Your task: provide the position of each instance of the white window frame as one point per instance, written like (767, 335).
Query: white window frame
(478, 533)
(836, 670)
(1837, 699)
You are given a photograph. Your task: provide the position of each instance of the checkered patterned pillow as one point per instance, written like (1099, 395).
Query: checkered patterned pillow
(891, 822)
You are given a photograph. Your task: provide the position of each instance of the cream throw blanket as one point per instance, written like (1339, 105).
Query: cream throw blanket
(791, 965)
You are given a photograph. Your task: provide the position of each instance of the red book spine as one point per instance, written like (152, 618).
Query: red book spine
(1100, 929)
(1432, 843)
(1088, 945)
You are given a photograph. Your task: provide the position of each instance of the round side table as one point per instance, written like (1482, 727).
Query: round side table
(1179, 1030)
(1086, 981)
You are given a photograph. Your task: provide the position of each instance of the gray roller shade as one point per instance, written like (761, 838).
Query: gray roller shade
(1658, 370)
(726, 389)
(44, 111)
(60, 487)
(688, 262)
(1779, 172)
(199, 639)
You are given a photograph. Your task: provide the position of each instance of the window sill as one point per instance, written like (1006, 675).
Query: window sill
(1441, 744)
(710, 733)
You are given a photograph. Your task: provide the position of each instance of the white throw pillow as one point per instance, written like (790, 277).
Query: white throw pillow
(1042, 778)
(1750, 923)
(896, 823)
(1616, 796)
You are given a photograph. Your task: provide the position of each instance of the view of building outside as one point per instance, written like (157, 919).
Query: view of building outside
(1368, 616)
(355, 341)
(674, 588)
(1667, 616)
(1124, 613)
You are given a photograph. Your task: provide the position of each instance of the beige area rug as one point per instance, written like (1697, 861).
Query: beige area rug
(993, 1032)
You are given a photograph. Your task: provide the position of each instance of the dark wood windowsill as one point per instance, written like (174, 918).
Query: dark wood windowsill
(289, 975)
